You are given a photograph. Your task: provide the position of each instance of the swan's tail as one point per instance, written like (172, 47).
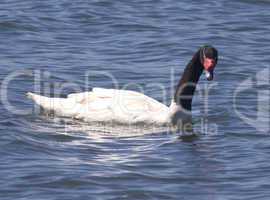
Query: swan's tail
(60, 106)
(32, 96)
(44, 102)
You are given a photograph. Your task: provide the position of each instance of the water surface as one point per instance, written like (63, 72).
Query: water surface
(141, 42)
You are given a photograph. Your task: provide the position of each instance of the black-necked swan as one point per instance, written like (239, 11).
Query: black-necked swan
(130, 107)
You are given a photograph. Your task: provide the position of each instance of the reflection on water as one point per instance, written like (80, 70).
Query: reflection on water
(97, 130)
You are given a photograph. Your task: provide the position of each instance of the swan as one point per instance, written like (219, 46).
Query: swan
(130, 107)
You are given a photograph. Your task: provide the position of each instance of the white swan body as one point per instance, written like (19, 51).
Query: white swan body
(105, 105)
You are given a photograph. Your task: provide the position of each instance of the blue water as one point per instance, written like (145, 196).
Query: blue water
(49, 45)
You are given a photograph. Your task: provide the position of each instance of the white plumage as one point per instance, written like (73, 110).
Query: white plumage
(104, 105)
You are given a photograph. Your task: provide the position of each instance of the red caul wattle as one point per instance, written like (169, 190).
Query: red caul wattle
(209, 64)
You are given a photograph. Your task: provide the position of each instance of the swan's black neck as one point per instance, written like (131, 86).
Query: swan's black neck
(187, 84)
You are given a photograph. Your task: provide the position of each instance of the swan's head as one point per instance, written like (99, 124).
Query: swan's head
(209, 58)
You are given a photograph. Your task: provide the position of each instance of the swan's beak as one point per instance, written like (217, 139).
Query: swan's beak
(209, 65)
(209, 75)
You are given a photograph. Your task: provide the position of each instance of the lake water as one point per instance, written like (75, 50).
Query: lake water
(65, 46)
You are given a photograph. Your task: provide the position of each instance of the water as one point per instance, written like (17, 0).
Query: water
(53, 43)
